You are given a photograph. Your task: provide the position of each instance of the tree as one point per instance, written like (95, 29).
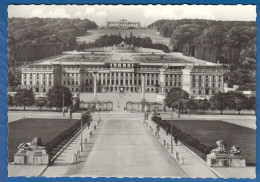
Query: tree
(176, 98)
(55, 97)
(10, 100)
(251, 103)
(204, 105)
(219, 101)
(237, 101)
(24, 97)
(40, 102)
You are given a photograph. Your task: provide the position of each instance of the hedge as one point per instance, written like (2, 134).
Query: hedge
(68, 133)
(182, 136)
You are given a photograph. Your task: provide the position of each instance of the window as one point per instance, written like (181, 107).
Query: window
(194, 84)
(72, 82)
(199, 91)
(64, 82)
(77, 83)
(24, 82)
(194, 92)
(77, 89)
(49, 82)
(179, 83)
(68, 82)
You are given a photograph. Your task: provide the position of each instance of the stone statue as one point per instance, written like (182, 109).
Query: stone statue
(221, 149)
(235, 151)
(36, 144)
(223, 157)
(165, 66)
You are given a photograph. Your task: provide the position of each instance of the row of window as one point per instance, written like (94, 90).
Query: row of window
(70, 82)
(37, 83)
(206, 84)
(206, 92)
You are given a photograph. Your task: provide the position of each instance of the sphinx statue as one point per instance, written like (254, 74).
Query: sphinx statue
(221, 149)
(36, 144)
(235, 151)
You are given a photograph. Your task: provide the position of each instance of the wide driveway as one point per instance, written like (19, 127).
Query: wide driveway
(123, 147)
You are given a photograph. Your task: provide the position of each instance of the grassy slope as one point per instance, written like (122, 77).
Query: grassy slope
(25, 130)
(208, 132)
(91, 35)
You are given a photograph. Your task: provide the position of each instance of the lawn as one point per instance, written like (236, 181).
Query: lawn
(92, 35)
(25, 130)
(208, 132)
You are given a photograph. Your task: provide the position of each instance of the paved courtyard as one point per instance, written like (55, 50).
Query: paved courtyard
(122, 148)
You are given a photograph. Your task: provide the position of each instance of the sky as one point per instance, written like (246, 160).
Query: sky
(146, 14)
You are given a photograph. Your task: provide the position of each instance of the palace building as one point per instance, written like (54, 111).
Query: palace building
(123, 24)
(124, 72)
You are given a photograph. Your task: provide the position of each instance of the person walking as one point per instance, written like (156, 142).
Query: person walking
(176, 140)
(157, 130)
(167, 130)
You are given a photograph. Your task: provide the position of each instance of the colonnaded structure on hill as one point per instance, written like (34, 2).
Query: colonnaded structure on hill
(123, 24)
(123, 72)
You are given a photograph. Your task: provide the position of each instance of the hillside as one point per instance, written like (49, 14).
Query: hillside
(34, 38)
(228, 42)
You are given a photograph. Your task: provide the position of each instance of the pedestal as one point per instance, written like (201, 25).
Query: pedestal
(225, 160)
(34, 157)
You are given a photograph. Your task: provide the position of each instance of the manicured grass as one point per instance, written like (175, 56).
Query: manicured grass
(208, 132)
(25, 130)
(92, 35)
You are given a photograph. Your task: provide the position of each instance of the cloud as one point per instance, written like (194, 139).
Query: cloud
(90, 11)
(191, 12)
(101, 14)
(198, 12)
(159, 14)
(57, 13)
(37, 13)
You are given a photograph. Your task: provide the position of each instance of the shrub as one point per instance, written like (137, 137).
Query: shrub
(86, 117)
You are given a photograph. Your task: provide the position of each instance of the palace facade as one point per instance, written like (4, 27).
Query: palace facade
(123, 24)
(123, 72)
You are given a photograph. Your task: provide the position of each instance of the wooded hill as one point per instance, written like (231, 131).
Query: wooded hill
(35, 38)
(230, 42)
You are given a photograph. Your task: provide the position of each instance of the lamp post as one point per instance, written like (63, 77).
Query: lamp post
(63, 110)
(81, 137)
(171, 132)
(178, 108)
(99, 113)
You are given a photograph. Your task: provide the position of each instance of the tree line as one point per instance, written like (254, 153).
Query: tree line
(110, 40)
(229, 42)
(55, 98)
(179, 99)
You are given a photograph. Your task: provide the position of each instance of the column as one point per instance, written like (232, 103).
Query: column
(47, 77)
(22, 78)
(186, 79)
(33, 79)
(162, 80)
(124, 78)
(41, 79)
(95, 85)
(143, 87)
(106, 79)
(150, 79)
